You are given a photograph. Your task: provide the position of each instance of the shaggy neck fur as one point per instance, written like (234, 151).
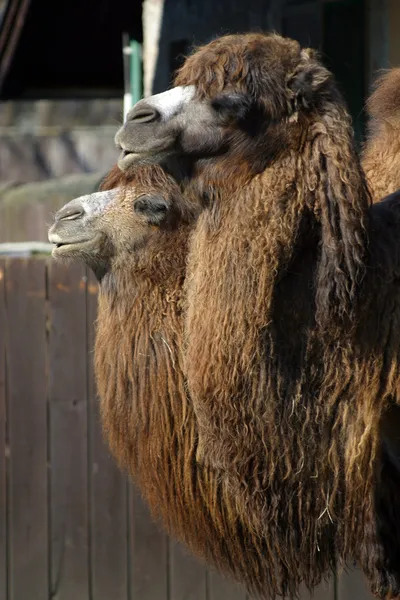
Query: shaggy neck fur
(288, 403)
(148, 418)
(292, 350)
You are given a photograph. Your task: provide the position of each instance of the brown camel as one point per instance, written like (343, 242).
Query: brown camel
(136, 241)
(292, 326)
(381, 155)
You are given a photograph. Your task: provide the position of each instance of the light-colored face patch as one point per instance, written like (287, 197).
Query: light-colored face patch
(171, 102)
(97, 203)
(77, 214)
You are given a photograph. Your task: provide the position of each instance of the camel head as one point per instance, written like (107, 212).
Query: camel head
(258, 111)
(108, 226)
(238, 99)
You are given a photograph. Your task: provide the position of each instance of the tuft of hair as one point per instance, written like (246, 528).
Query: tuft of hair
(381, 153)
(384, 103)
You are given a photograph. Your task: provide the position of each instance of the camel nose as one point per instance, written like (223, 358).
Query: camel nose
(70, 212)
(142, 112)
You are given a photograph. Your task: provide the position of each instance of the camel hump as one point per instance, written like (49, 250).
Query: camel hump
(384, 102)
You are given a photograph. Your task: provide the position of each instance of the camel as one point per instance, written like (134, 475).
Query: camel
(291, 329)
(381, 153)
(135, 239)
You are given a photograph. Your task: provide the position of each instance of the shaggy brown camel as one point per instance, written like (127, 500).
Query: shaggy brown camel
(381, 155)
(136, 242)
(292, 326)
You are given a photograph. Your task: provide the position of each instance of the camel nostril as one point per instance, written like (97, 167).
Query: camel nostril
(144, 114)
(70, 213)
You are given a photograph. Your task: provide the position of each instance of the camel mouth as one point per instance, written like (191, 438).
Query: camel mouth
(154, 155)
(74, 247)
(128, 158)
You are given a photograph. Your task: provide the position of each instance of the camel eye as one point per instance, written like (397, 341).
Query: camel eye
(153, 208)
(232, 106)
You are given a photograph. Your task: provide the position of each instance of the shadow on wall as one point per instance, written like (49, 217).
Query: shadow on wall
(186, 23)
(323, 26)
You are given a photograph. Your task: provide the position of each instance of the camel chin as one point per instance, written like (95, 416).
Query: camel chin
(129, 160)
(73, 249)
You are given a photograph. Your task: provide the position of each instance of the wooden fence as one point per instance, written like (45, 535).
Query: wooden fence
(71, 527)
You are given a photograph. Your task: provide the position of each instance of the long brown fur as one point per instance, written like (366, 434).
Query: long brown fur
(288, 396)
(147, 416)
(291, 328)
(381, 154)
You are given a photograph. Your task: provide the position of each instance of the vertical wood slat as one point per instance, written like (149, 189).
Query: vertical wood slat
(154, 568)
(352, 584)
(325, 591)
(3, 440)
(224, 589)
(219, 587)
(148, 557)
(188, 575)
(27, 406)
(68, 432)
(108, 492)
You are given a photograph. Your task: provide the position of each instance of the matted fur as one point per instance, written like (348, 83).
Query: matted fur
(147, 416)
(381, 154)
(287, 392)
(292, 329)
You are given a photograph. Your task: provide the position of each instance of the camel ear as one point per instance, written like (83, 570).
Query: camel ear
(308, 80)
(153, 207)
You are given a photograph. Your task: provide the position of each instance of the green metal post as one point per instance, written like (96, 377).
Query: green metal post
(136, 71)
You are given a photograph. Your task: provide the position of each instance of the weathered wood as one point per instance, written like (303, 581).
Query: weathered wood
(379, 42)
(148, 559)
(325, 591)
(219, 587)
(68, 432)
(27, 415)
(103, 542)
(25, 249)
(3, 440)
(108, 492)
(352, 585)
(188, 575)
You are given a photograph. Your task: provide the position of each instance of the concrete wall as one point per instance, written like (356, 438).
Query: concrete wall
(51, 152)
(27, 210)
(42, 140)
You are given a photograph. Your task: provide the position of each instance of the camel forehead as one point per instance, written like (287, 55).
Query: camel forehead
(170, 102)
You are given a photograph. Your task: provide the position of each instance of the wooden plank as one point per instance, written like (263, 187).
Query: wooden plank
(108, 492)
(352, 584)
(27, 411)
(68, 432)
(188, 576)
(3, 440)
(325, 591)
(220, 588)
(148, 554)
